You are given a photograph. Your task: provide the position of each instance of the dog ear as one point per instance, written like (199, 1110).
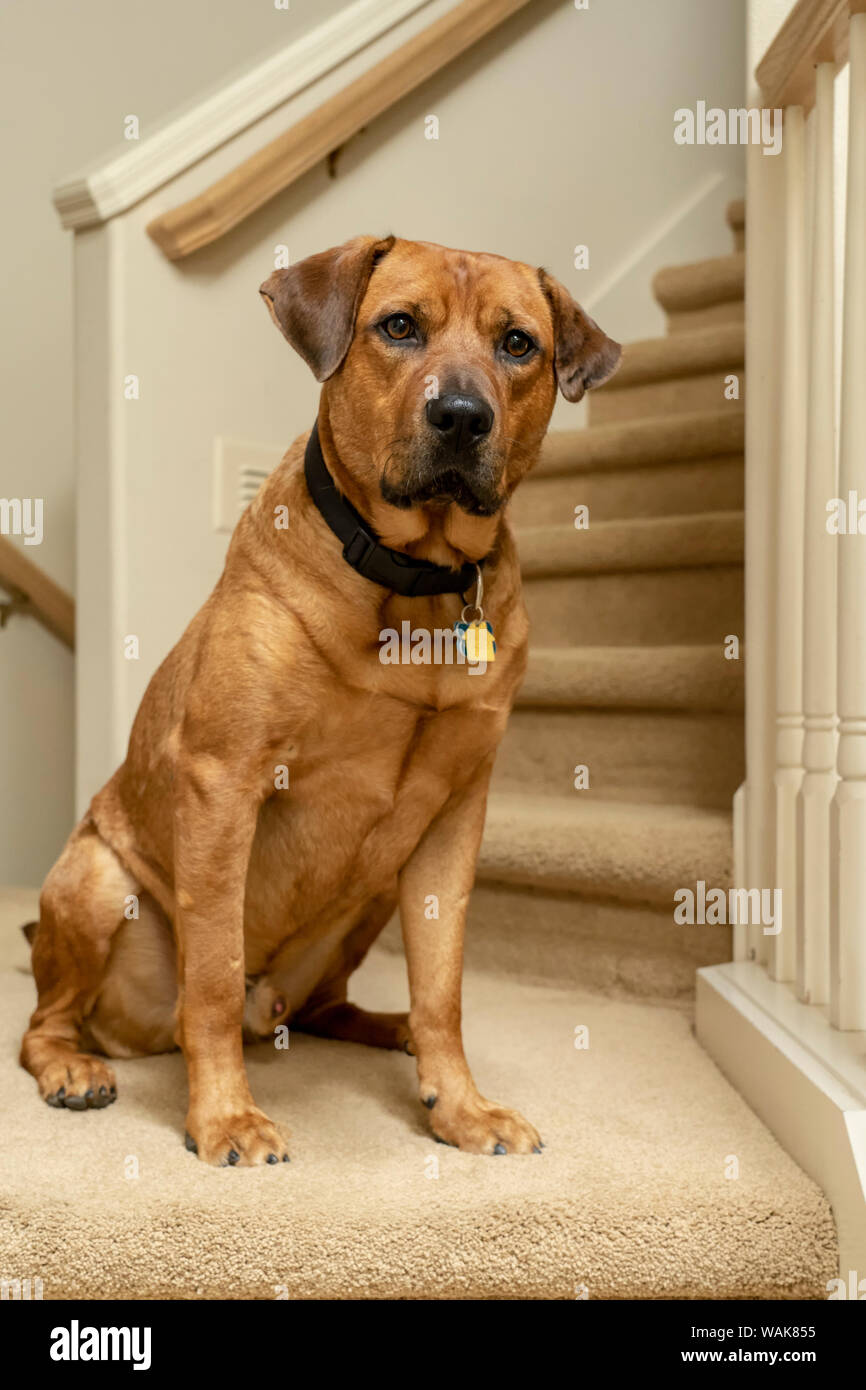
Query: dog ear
(314, 303)
(584, 356)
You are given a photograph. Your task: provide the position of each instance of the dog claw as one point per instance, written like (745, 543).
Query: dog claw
(272, 1158)
(234, 1157)
(500, 1149)
(103, 1099)
(75, 1103)
(190, 1143)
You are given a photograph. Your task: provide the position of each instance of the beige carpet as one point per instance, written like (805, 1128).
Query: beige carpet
(629, 1198)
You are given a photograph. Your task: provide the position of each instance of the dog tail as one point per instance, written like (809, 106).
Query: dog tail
(29, 930)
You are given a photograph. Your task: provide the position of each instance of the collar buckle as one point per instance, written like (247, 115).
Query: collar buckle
(359, 549)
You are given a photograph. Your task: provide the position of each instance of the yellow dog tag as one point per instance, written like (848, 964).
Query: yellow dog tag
(478, 641)
(475, 637)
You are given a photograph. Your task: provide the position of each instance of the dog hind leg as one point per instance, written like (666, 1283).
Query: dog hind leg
(348, 1023)
(136, 1012)
(327, 1012)
(80, 909)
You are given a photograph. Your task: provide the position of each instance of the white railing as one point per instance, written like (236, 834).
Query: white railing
(802, 820)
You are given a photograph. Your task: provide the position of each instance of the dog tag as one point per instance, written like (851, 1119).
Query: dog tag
(475, 635)
(475, 640)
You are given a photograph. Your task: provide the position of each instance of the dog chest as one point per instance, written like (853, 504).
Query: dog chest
(349, 818)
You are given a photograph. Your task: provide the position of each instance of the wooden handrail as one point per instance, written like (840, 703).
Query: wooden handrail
(816, 31)
(262, 176)
(34, 593)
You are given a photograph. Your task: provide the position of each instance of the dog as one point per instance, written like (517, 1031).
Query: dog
(284, 789)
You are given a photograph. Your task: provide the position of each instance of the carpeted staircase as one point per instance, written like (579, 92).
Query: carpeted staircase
(657, 1181)
(628, 673)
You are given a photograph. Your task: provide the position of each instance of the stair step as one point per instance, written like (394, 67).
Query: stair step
(680, 396)
(702, 284)
(654, 581)
(682, 373)
(642, 543)
(713, 316)
(689, 354)
(642, 608)
(563, 939)
(648, 678)
(665, 489)
(624, 851)
(643, 443)
(648, 756)
(580, 892)
(651, 724)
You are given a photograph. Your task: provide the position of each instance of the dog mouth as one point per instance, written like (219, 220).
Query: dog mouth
(474, 493)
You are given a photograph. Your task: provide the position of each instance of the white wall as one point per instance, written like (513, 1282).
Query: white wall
(69, 74)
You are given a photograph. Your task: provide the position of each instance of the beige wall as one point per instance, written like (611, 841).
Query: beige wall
(69, 74)
(555, 130)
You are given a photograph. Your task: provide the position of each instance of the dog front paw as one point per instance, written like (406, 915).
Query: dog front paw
(246, 1139)
(480, 1127)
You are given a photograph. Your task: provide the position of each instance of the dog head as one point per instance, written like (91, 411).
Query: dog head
(440, 371)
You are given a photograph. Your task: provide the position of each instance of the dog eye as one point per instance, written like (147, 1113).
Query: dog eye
(399, 326)
(516, 343)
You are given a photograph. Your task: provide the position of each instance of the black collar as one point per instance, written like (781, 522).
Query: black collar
(362, 548)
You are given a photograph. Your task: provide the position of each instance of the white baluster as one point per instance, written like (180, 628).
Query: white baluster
(740, 933)
(764, 199)
(819, 628)
(848, 916)
(789, 569)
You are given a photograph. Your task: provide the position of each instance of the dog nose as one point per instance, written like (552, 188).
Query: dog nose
(460, 419)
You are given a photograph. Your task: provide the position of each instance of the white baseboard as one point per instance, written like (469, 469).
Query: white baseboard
(806, 1081)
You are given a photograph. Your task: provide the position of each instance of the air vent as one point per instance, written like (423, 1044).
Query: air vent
(240, 468)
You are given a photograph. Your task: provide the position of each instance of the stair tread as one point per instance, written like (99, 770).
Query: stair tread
(633, 851)
(679, 355)
(716, 280)
(664, 677)
(696, 540)
(643, 442)
(365, 1221)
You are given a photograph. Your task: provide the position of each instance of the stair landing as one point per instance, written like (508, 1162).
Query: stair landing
(629, 1199)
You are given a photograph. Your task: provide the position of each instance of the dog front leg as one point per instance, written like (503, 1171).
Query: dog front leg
(215, 821)
(440, 874)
